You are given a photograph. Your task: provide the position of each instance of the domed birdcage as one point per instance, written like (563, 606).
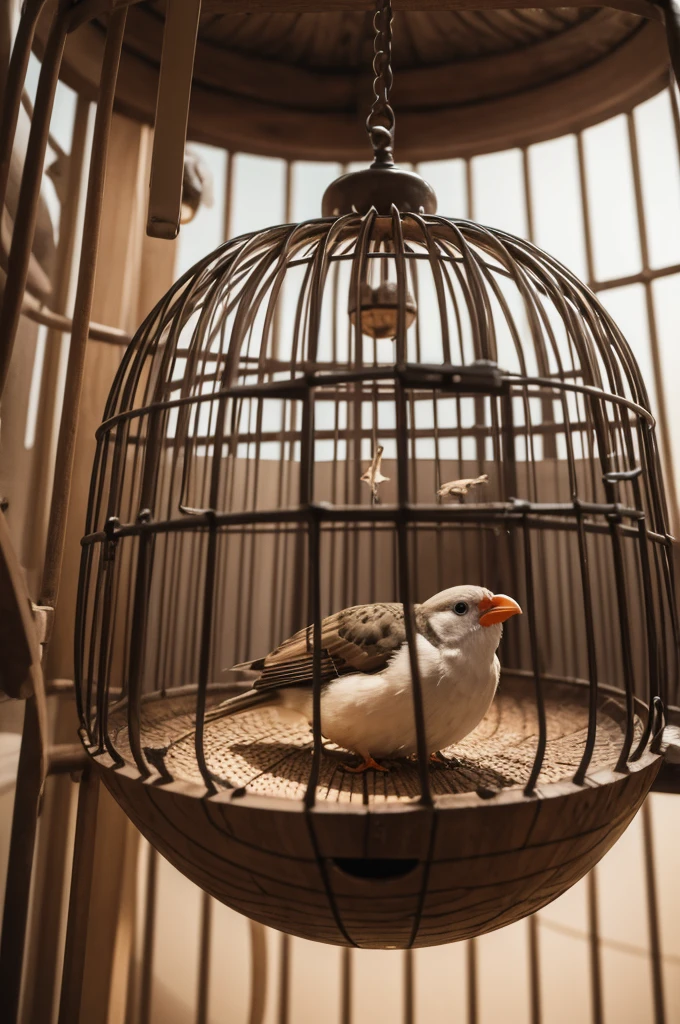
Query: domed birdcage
(372, 407)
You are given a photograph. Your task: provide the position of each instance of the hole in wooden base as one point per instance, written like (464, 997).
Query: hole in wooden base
(376, 867)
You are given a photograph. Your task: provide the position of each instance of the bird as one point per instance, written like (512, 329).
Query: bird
(366, 684)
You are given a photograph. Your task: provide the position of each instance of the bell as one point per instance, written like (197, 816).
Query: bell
(380, 309)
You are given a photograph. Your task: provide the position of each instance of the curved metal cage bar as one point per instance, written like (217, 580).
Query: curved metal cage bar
(231, 504)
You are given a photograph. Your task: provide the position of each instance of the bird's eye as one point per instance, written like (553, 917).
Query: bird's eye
(460, 607)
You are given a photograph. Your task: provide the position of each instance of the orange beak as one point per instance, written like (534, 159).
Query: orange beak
(497, 609)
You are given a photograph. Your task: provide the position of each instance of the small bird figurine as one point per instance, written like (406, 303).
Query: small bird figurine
(461, 487)
(374, 475)
(366, 696)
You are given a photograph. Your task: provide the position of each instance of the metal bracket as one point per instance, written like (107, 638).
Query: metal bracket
(483, 377)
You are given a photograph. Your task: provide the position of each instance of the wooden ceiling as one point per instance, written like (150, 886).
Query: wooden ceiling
(343, 40)
(298, 83)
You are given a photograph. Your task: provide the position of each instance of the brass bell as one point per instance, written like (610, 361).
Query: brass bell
(380, 310)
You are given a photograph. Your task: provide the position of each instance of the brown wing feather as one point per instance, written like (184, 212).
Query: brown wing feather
(358, 639)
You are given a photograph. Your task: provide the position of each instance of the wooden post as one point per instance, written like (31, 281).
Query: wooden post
(132, 274)
(172, 115)
(81, 320)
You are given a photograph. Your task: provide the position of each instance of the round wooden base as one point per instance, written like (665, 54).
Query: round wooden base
(369, 865)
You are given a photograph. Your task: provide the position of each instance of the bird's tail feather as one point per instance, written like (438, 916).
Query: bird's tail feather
(248, 666)
(234, 705)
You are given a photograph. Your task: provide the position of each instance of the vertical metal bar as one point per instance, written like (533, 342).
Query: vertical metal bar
(205, 650)
(306, 493)
(536, 664)
(624, 640)
(73, 387)
(656, 963)
(16, 76)
(591, 652)
(107, 569)
(20, 865)
(472, 993)
(27, 209)
(79, 899)
(404, 573)
(204, 960)
(508, 445)
(284, 980)
(346, 987)
(172, 117)
(146, 982)
(138, 633)
(410, 630)
(595, 962)
(314, 555)
(652, 644)
(258, 973)
(408, 987)
(534, 971)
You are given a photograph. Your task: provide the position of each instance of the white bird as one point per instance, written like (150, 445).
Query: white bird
(367, 695)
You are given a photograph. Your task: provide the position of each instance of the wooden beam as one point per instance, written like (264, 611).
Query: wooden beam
(172, 113)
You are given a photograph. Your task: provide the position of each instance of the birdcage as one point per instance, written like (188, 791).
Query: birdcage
(371, 407)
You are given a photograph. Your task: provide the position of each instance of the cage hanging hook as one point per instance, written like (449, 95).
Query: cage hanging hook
(380, 121)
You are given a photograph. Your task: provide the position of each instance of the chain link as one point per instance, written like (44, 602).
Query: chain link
(380, 121)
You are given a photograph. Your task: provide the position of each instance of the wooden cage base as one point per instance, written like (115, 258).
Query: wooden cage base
(271, 757)
(368, 865)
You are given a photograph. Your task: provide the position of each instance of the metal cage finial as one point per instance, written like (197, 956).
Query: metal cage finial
(382, 185)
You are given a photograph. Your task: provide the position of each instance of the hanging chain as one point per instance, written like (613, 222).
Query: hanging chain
(380, 121)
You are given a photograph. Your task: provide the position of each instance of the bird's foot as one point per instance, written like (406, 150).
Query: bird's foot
(447, 762)
(368, 764)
